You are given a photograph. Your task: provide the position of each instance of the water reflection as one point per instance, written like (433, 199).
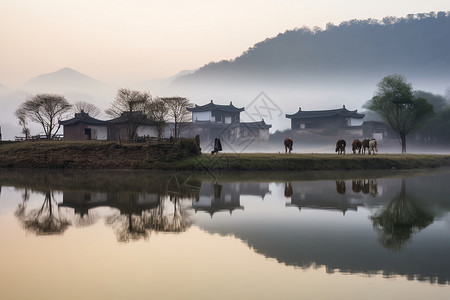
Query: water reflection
(44, 220)
(399, 220)
(375, 230)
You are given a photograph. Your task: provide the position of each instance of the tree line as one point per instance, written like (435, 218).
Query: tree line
(135, 107)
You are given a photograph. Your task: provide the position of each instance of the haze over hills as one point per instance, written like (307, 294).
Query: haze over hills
(324, 69)
(308, 68)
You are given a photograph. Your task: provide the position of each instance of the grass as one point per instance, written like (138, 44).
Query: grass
(299, 162)
(183, 155)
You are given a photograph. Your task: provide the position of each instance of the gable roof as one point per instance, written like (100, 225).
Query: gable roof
(137, 117)
(256, 125)
(211, 106)
(343, 112)
(82, 117)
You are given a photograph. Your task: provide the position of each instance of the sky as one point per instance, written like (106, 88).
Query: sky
(130, 41)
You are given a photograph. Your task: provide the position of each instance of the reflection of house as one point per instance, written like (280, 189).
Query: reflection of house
(225, 196)
(323, 196)
(212, 120)
(125, 202)
(328, 121)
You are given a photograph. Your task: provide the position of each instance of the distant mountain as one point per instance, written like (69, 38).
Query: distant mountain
(64, 79)
(75, 86)
(419, 43)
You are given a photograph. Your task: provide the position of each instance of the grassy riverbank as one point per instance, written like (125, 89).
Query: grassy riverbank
(184, 155)
(298, 162)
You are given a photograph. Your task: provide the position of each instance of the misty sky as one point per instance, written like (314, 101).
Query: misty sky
(127, 41)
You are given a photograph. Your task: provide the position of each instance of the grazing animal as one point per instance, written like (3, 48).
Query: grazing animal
(288, 143)
(356, 146)
(365, 145)
(340, 147)
(373, 146)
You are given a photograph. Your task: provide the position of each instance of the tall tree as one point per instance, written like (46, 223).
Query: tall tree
(131, 105)
(177, 112)
(46, 110)
(157, 111)
(23, 121)
(395, 102)
(86, 107)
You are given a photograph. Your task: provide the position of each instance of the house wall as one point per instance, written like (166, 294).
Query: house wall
(77, 132)
(355, 122)
(201, 116)
(147, 130)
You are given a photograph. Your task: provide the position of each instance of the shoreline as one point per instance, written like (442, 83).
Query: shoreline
(184, 154)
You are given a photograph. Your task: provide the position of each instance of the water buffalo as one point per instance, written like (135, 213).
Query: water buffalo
(340, 147)
(365, 145)
(373, 146)
(288, 143)
(356, 146)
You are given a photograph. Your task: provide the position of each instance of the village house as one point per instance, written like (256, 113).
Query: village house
(208, 122)
(212, 120)
(335, 121)
(84, 127)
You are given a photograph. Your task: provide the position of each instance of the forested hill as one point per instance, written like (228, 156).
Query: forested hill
(417, 44)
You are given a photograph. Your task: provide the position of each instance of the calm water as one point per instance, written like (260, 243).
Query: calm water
(157, 235)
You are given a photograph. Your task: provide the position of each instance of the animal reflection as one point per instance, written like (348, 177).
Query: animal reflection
(340, 187)
(366, 186)
(288, 192)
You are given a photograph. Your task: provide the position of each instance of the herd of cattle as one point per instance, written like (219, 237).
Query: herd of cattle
(357, 146)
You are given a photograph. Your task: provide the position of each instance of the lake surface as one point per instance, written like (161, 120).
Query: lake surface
(161, 235)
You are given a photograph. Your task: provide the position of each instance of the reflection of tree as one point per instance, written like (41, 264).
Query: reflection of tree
(401, 218)
(133, 225)
(44, 220)
(85, 220)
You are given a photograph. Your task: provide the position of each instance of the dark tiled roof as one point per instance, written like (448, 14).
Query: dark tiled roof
(82, 117)
(256, 125)
(136, 116)
(325, 113)
(211, 106)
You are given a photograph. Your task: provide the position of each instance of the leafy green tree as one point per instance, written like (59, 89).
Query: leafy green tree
(46, 110)
(395, 102)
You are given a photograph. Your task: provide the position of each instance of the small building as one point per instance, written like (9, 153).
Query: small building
(120, 127)
(84, 127)
(213, 113)
(331, 121)
(213, 120)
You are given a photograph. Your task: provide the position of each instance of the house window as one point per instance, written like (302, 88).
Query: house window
(302, 126)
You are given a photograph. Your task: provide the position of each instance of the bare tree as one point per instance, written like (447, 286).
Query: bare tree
(178, 112)
(157, 111)
(131, 105)
(89, 108)
(46, 110)
(23, 121)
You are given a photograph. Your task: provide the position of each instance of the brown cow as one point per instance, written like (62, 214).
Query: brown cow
(373, 146)
(356, 146)
(340, 147)
(365, 145)
(288, 143)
